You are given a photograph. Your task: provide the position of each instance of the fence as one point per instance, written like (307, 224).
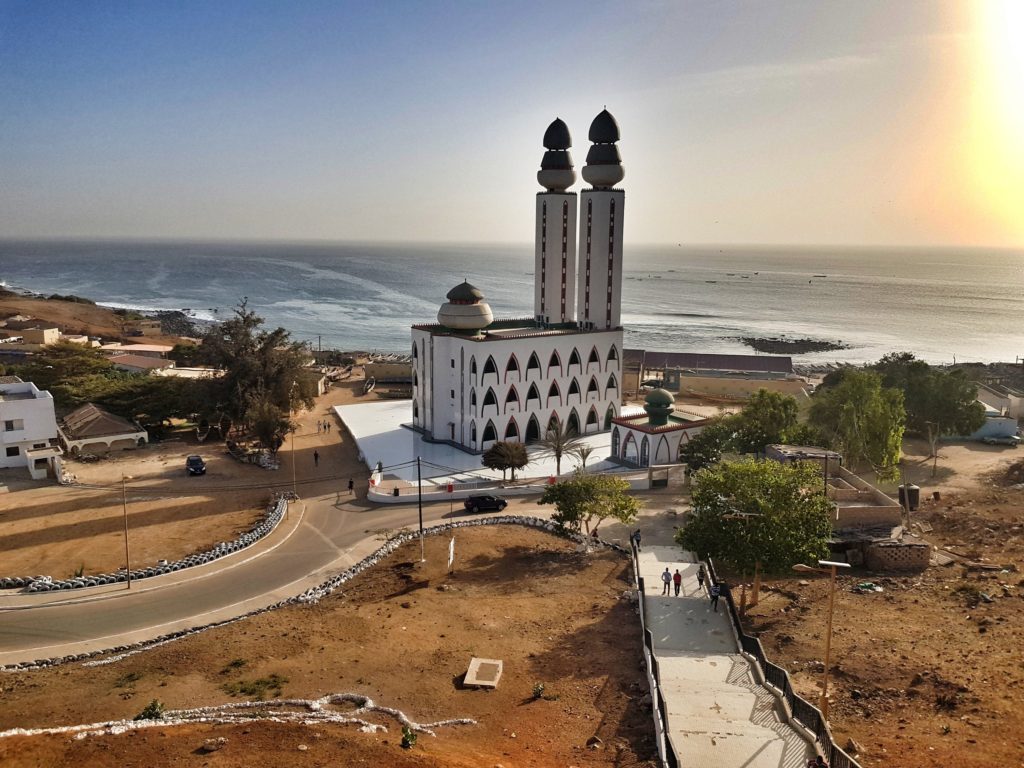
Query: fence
(660, 710)
(803, 712)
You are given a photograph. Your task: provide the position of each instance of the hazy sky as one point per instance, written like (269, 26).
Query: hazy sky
(761, 122)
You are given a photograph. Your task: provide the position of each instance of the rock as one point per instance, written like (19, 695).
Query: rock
(303, 747)
(856, 695)
(594, 743)
(212, 745)
(646, 700)
(853, 747)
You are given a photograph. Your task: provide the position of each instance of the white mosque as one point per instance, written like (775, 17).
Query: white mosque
(477, 380)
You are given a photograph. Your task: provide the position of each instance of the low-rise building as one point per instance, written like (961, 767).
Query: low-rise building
(94, 430)
(140, 364)
(28, 428)
(654, 437)
(145, 350)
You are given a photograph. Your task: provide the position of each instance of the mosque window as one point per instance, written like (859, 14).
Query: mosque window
(554, 360)
(574, 388)
(574, 358)
(592, 387)
(613, 354)
(489, 398)
(415, 410)
(533, 363)
(513, 364)
(592, 418)
(472, 397)
(490, 433)
(612, 382)
(512, 430)
(594, 357)
(472, 365)
(512, 396)
(532, 393)
(554, 391)
(645, 452)
(490, 367)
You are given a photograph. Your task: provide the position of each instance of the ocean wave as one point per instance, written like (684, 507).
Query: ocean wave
(203, 315)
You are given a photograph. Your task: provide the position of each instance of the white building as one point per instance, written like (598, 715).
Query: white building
(477, 380)
(655, 436)
(28, 428)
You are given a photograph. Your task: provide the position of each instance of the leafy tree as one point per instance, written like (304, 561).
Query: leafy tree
(938, 402)
(64, 361)
(268, 422)
(558, 441)
(506, 456)
(255, 362)
(185, 353)
(583, 498)
(748, 511)
(707, 446)
(767, 418)
(863, 418)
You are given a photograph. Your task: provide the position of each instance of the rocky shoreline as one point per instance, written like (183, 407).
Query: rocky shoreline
(782, 346)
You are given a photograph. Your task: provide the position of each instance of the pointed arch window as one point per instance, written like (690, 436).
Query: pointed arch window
(592, 388)
(645, 452)
(472, 432)
(490, 399)
(533, 364)
(615, 441)
(532, 393)
(572, 424)
(512, 365)
(594, 357)
(574, 359)
(415, 378)
(532, 429)
(574, 388)
(512, 430)
(472, 365)
(592, 418)
(554, 391)
(472, 397)
(613, 383)
(490, 367)
(608, 416)
(415, 351)
(415, 410)
(511, 397)
(489, 432)
(613, 353)
(554, 362)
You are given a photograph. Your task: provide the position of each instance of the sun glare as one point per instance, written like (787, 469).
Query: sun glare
(997, 136)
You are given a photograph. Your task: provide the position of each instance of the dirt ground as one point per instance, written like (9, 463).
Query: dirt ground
(928, 672)
(73, 317)
(48, 529)
(403, 634)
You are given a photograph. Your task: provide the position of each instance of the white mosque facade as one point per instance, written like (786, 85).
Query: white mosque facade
(477, 380)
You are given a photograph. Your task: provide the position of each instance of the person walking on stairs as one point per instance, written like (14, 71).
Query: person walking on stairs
(714, 593)
(677, 580)
(666, 580)
(701, 575)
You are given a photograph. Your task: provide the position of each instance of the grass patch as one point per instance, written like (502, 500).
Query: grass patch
(256, 689)
(233, 666)
(127, 679)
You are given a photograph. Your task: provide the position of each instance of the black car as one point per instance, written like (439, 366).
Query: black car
(485, 503)
(195, 465)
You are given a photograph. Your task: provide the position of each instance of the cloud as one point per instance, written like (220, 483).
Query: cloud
(779, 72)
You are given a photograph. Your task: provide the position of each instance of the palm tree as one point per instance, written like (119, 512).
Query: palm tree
(506, 456)
(582, 452)
(558, 441)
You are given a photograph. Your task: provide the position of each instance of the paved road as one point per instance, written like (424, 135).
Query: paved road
(305, 550)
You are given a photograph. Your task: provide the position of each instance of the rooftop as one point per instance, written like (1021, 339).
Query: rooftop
(701, 361)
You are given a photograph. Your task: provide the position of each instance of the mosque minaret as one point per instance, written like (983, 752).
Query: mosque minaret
(477, 379)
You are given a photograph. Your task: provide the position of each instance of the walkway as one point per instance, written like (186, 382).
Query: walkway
(718, 715)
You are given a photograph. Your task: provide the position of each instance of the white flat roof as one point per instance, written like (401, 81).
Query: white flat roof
(378, 431)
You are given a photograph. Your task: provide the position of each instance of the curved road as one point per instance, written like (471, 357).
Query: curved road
(305, 550)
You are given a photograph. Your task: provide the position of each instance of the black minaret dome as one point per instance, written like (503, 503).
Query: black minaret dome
(604, 164)
(556, 173)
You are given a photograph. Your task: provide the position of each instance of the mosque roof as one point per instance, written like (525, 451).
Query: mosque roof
(660, 397)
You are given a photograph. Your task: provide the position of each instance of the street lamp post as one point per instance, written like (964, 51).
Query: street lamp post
(830, 567)
(124, 507)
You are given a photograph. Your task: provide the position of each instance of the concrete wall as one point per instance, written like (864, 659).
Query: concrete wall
(734, 388)
(860, 503)
(41, 336)
(388, 371)
(600, 258)
(996, 426)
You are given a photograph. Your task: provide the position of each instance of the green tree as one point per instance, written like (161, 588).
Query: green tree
(767, 418)
(267, 421)
(583, 452)
(863, 419)
(64, 361)
(706, 447)
(255, 361)
(583, 498)
(938, 402)
(505, 456)
(749, 511)
(185, 354)
(558, 441)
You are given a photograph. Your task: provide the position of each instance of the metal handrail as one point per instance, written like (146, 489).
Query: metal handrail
(803, 712)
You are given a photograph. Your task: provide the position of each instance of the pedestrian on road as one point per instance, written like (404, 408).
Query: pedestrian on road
(351, 486)
(677, 580)
(716, 590)
(636, 538)
(319, 426)
(327, 426)
(316, 458)
(666, 579)
(818, 762)
(701, 575)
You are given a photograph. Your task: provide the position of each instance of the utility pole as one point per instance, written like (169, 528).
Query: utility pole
(419, 501)
(124, 506)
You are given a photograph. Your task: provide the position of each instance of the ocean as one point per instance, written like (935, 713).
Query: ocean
(944, 305)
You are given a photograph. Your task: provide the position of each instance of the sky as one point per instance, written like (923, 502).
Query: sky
(848, 123)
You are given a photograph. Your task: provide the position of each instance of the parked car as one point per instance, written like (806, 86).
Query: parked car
(485, 503)
(194, 465)
(1011, 440)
